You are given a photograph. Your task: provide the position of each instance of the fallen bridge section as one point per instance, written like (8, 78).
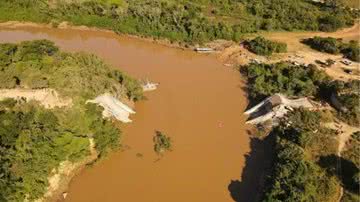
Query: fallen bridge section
(113, 107)
(275, 107)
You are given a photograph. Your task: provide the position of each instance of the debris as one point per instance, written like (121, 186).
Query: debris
(149, 86)
(275, 107)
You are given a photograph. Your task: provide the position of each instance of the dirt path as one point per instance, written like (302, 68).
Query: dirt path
(234, 54)
(345, 134)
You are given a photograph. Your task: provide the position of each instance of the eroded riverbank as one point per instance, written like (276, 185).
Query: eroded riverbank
(199, 104)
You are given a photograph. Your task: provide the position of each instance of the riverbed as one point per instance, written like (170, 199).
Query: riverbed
(199, 104)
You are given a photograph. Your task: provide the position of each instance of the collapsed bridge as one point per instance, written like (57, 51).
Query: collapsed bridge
(275, 107)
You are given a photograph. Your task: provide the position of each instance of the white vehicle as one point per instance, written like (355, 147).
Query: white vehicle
(346, 62)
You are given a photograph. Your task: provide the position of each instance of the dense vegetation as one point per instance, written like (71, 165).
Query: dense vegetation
(331, 45)
(35, 140)
(292, 80)
(262, 46)
(296, 174)
(191, 21)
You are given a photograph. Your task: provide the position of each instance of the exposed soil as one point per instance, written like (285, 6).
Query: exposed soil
(49, 98)
(237, 54)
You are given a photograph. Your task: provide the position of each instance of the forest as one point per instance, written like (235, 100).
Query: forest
(185, 21)
(34, 140)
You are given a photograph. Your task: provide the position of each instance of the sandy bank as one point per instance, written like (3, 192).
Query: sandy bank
(67, 25)
(61, 177)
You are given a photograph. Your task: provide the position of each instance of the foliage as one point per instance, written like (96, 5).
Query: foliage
(162, 143)
(352, 151)
(348, 96)
(324, 44)
(331, 45)
(190, 21)
(34, 140)
(32, 143)
(296, 175)
(351, 51)
(292, 80)
(262, 46)
(40, 64)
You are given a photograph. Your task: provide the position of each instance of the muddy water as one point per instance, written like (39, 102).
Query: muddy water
(199, 104)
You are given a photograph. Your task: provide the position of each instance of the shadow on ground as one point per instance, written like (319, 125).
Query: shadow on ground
(257, 165)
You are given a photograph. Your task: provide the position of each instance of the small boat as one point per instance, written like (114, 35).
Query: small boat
(204, 50)
(149, 86)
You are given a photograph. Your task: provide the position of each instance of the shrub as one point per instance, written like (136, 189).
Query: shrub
(330, 23)
(261, 46)
(351, 51)
(334, 46)
(162, 143)
(327, 44)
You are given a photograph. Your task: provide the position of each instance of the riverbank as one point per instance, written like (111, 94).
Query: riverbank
(169, 113)
(48, 130)
(233, 54)
(61, 176)
(183, 86)
(66, 25)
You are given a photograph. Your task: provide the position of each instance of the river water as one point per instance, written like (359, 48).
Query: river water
(199, 104)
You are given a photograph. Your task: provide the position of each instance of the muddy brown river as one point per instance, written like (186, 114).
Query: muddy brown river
(199, 104)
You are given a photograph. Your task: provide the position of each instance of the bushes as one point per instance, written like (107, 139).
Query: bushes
(292, 80)
(328, 44)
(162, 143)
(348, 96)
(351, 51)
(330, 23)
(331, 45)
(39, 64)
(261, 46)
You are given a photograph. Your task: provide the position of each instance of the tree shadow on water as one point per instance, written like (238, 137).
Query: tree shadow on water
(257, 164)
